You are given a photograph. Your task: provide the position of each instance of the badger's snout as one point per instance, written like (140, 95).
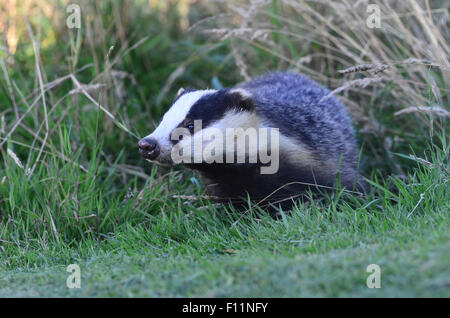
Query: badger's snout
(148, 148)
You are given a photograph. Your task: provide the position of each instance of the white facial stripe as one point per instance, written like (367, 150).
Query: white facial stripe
(237, 119)
(174, 116)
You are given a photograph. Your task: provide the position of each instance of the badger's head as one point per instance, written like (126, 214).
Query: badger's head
(193, 115)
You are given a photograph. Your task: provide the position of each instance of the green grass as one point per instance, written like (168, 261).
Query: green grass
(151, 246)
(79, 192)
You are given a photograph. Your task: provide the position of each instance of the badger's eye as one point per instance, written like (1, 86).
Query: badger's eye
(190, 126)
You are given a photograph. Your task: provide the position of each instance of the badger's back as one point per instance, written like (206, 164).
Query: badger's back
(291, 102)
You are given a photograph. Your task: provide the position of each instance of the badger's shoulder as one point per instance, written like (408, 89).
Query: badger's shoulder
(294, 95)
(285, 87)
(292, 102)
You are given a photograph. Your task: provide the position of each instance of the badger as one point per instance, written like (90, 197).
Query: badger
(269, 138)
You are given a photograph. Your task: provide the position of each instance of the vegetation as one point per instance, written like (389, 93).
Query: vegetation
(74, 189)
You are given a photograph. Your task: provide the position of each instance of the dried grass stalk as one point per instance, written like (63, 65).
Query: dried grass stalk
(374, 68)
(424, 109)
(15, 158)
(363, 83)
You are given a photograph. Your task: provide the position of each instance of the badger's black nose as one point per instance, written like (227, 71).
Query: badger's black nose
(148, 148)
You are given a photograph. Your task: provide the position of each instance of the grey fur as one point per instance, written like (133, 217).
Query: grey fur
(290, 102)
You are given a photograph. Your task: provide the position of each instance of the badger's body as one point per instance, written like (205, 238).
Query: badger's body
(316, 139)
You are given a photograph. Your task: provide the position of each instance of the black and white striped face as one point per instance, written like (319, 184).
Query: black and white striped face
(192, 114)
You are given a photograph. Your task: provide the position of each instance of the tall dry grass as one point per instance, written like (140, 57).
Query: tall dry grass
(330, 41)
(52, 76)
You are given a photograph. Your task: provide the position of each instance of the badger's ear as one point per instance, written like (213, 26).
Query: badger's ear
(242, 99)
(179, 93)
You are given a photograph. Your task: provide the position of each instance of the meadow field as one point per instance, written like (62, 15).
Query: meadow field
(78, 92)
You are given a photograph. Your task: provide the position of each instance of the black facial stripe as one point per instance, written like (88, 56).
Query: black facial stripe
(213, 107)
(181, 125)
